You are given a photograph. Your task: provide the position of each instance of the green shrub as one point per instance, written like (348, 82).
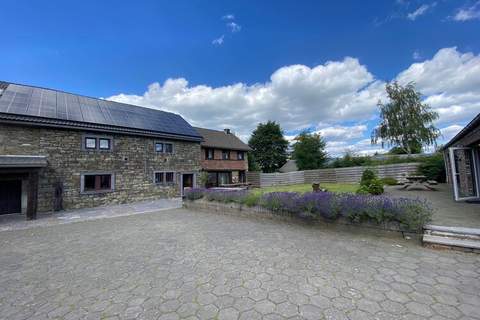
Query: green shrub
(251, 199)
(375, 187)
(433, 167)
(370, 184)
(368, 176)
(389, 181)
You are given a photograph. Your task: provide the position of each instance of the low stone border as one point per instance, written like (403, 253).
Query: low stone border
(263, 213)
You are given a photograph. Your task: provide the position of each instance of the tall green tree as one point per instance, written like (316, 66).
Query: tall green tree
(309, 151)
(269, 147)
(405, 120)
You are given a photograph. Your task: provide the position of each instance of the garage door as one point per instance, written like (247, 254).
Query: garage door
(10, 196)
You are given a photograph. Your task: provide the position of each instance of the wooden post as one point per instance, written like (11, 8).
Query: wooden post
(32, 195)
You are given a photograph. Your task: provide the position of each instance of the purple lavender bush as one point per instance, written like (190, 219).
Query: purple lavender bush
(411, 214)
(194, 193)
(225, 196)
(280, 201)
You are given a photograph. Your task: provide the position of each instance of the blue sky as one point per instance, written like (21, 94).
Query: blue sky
(306, 64)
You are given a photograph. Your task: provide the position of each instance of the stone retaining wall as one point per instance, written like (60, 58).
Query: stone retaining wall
(263, 213)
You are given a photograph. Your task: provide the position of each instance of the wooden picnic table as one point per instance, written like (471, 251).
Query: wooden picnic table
(416, 182)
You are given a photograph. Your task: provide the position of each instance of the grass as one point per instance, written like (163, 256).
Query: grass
(302, 188)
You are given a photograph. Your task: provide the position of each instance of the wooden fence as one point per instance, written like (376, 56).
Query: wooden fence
(333, 175)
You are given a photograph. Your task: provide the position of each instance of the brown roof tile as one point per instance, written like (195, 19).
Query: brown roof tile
(221, 140)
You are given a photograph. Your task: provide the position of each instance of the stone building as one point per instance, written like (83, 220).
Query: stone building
(462, 161)
(224, 157)
(61, 151)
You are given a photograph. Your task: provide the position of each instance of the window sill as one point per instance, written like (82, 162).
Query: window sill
(96, 192)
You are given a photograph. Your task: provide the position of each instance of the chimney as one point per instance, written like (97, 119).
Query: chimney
(227, 131)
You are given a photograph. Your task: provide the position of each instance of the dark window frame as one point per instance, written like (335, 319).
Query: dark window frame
(240, 153)
(164, 147)
(97, 139)
(100, 144)
(86, 145)
(226, 152)
(97, 182)
(164, 181)
(207, 154)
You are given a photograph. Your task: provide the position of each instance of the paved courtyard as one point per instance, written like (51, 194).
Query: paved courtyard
(448, 212)
(178, 264)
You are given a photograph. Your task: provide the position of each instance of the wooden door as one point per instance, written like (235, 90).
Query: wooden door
(10, 196)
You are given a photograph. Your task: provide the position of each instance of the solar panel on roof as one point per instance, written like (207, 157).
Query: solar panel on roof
(39, 102)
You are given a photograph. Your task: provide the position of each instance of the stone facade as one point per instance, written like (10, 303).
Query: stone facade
(132, 161)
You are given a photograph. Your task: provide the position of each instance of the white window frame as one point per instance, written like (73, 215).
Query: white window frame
(454, 172)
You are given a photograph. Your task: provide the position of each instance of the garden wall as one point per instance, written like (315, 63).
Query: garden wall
(332, 175)
(236, 209)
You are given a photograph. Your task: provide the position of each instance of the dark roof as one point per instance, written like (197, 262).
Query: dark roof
(469, 127)
(221, 139)
(46, 107)
(14, 161)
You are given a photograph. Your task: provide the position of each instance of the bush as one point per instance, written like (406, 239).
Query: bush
(367, 176)
(225, 196)
(251, 199)
(280, 201)
(411, 214)
(194, 193)
(433, 168)
(370, 183)
(389, 181)
(375, 187)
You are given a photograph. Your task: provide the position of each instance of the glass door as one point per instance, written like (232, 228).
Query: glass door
(464, 173)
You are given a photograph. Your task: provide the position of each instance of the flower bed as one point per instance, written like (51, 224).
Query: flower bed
(409, 214)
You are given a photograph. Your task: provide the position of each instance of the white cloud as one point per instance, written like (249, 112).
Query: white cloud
(450, 131)
(416, 55)
(228, 17)
(296, 96)
(420, 11)
(451, 83)
(337, 98)
(218, 41)
(234, 27)
(343, 133)
(468, 13)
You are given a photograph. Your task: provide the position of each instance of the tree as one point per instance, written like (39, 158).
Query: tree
(309, 151)
(269, 147)
(405, 120)
(415, 147)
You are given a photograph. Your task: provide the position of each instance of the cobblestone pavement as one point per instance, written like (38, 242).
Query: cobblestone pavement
(17, 221)
(179, 264)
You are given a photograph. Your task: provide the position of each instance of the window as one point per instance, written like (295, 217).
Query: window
(158, 147)
(94, 142)
(104, 144)
(169, 177)
(240, 155)
(209, 154)
(163, 147)
(163, 178)
(158, 177)
(97, 182)
(90, 143)
(168, 148)
(224, 178)
(226, 155)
